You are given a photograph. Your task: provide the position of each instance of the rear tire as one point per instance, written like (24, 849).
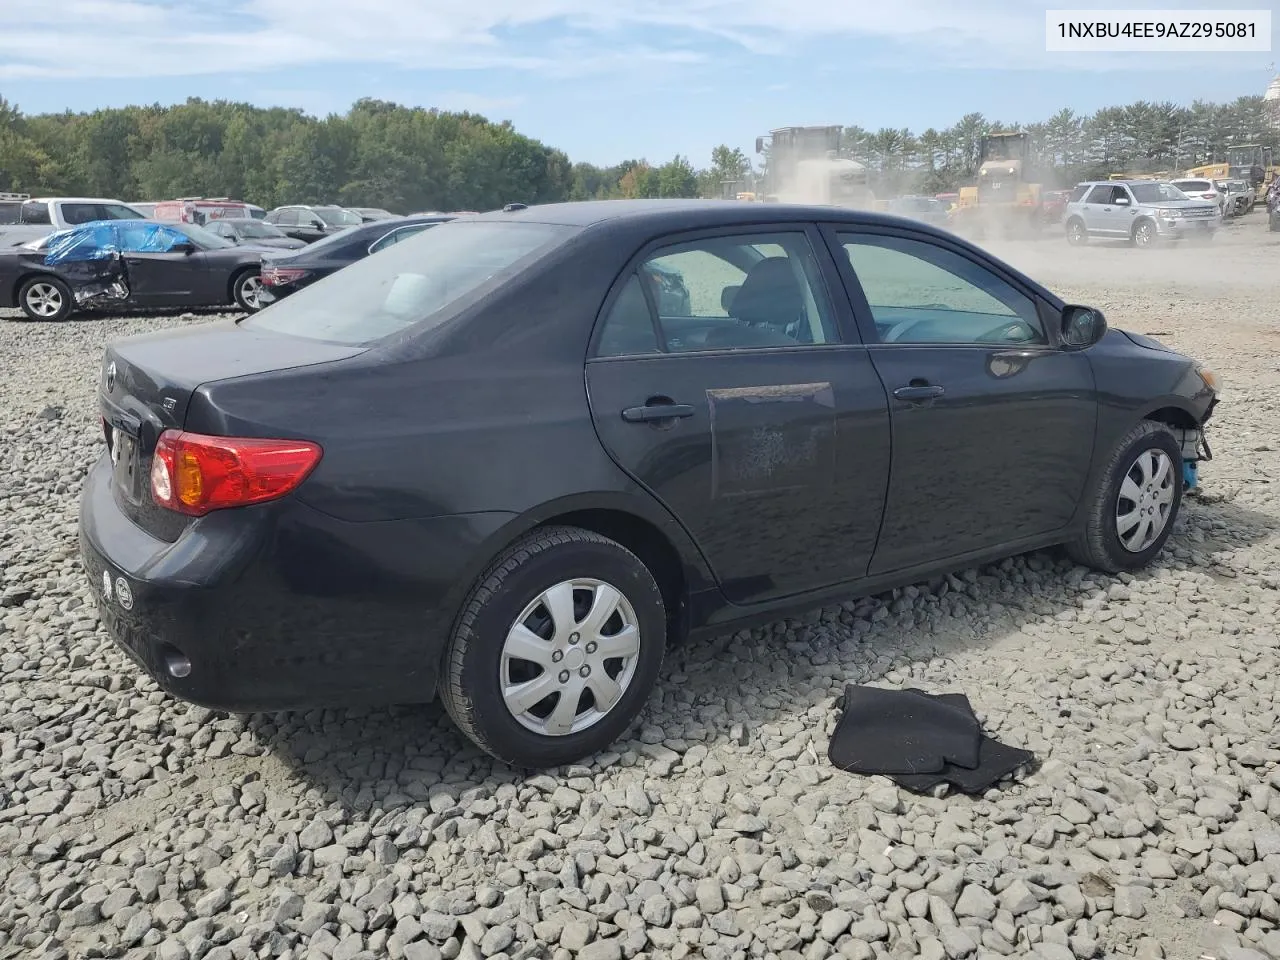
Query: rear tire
(1141, 484)
(244, 290)
(1077, 235)
(46, 298)
(527, 627)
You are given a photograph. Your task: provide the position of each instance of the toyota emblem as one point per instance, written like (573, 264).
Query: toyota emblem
(111, 376)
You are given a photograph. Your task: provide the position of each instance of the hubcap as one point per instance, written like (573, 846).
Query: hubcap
(44, 299)
(250, 287)
(569, 657)
(1145, 501)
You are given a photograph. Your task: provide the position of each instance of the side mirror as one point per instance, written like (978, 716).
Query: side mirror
(317, 224)
(727, 296)
(184, 247)
(1082, 326)
(1121, 201)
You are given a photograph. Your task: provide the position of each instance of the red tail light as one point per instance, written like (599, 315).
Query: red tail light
(278, 276)
(194, 474)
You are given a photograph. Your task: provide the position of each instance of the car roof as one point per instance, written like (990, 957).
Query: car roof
(76, 200)
(664, 215)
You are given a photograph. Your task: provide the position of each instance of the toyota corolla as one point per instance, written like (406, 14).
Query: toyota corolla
(493, 465)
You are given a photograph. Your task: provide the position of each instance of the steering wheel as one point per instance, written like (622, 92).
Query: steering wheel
(1016, 331)
(899, 328)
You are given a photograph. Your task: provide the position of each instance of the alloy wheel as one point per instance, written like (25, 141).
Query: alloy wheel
(44, 299)
(569, 657)
(250, 288)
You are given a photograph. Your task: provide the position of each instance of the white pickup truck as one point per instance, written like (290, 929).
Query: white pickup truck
(42, 216)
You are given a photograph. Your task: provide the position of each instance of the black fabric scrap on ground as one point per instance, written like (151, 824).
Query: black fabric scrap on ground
(919, 740)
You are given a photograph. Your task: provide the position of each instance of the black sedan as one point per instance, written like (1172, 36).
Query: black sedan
(483, 466)
(129, 263)
(282, 274)
(254, 232)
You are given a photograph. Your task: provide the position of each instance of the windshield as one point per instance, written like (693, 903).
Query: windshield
(413, 282)
(204, 239)
(336, 216)
(1156, 192)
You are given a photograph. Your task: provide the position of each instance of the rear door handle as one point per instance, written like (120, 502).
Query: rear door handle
(657, 411)
(918, 392)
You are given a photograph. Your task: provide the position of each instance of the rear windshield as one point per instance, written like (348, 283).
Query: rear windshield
(1199, 186)
(1156, 192)
(410, 283)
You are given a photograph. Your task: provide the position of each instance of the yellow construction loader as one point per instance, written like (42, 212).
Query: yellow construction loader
(1005, 200)
(1247, 161)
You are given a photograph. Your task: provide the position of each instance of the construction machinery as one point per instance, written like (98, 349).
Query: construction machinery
(1006, 197)
(1246, 161)
(804, 166)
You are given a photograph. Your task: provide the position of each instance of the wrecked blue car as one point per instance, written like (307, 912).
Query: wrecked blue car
(118, 264)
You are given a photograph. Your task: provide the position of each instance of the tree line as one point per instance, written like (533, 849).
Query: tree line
(408, 158)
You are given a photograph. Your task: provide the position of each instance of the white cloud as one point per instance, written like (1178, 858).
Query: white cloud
(48, 39)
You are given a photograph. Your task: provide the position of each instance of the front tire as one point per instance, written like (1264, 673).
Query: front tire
(1077, 235)
(1135, 504)
(556, 649)
(1145, 235)
(245, 289)
(46, 298)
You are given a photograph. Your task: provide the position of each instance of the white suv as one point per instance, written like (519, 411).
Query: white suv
(1198, 189)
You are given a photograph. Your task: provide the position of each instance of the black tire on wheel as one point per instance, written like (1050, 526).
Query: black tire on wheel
(46, 298)
(1145, 234)
(1099, 545)
(477, 663)
(244, 288)
(1077, 235)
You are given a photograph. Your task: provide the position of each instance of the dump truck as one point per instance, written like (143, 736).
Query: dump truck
(1005, 200)
(804, 166)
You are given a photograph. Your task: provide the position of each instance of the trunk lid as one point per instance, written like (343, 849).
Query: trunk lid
(146, 384)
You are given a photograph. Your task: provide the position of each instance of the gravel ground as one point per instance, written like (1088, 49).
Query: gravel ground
(135, 826)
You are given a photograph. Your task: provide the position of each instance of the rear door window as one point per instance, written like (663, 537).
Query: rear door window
(35, 212)
(421, 282)
(1100, 194)
(74, 213)
(728, 293)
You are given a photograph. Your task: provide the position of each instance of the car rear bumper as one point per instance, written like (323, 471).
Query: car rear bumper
(279, 607)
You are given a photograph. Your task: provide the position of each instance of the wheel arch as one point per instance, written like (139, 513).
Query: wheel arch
(1133, 232)
(641, 526)
(236, 275)
(1173, 414)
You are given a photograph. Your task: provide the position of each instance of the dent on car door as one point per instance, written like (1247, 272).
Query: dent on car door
(993, 422)
(752, 417)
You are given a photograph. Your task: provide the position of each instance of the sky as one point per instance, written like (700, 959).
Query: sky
(604, 80)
